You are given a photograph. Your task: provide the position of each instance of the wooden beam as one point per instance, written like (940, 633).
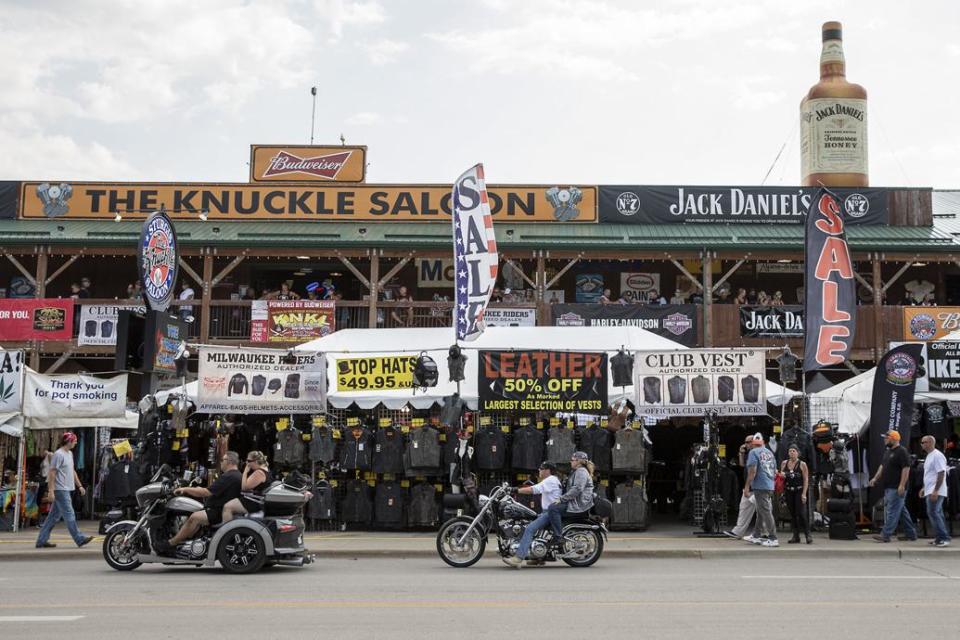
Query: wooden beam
(190, 272)
(897, 275)
(59, 362)
(396, 269)
(690, 277)
(205, 295)
(226, 271)
(374, 290)
(560, 273)
(353, 269)
(727, 275)
(513, 265)
(852, 367)
(878, 291)
(864, 282)
(62, 268)
(708, 298)
(20, 267)
(41, 280)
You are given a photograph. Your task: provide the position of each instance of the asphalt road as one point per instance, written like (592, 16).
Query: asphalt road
(371, 598)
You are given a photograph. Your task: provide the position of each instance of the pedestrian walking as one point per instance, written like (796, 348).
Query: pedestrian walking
(935, 489)
(796, 484)
(893, 474)
(761, 468)
(62, 480)
(748, 505)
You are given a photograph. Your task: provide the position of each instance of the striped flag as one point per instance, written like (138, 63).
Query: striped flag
(474, 251)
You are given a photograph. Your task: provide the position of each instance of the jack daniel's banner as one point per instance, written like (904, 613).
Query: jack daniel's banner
(771, 322)
(891, 407)
(830, 288)
(677, 322)
(691, 382)
(762, 205)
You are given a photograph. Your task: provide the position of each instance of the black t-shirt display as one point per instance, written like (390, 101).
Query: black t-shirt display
(894, 461)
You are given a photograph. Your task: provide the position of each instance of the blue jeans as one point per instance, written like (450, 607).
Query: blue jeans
(62, 508)
(935, 513)
(894, 511)
(555, 513)
(539, 523)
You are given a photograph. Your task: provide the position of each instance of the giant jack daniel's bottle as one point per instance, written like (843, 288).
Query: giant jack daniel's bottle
(833, 122)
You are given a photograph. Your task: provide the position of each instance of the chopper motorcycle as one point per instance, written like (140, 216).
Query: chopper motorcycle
(462, 540)
(244, 545)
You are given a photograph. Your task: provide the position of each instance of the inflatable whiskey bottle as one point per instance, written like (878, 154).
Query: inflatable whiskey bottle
(833, 122)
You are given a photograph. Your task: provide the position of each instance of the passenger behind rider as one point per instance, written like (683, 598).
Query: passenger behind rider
(255, 480)
(578, 497)
(222, 491)
(549, 490)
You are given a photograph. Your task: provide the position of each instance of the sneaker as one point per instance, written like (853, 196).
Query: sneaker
(85, 541)
(770, 542)
(881, 539)
(514, 562)
(942, 543)
(45, 545)
(753, 540)
(731, 534)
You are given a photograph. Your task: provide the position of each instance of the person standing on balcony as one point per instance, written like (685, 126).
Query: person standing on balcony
(403, 316)
(283, 294)
(741, 297)
(84, 288)
(186, 293)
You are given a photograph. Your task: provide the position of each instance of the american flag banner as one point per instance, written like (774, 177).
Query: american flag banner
(474, 251)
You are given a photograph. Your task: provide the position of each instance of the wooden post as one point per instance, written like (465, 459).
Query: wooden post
(540, 293)
(41, 285)
(877, 309)
(707, 299)
(205, 295)
(374, 288)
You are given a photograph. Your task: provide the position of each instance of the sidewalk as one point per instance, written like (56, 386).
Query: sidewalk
(672, 541)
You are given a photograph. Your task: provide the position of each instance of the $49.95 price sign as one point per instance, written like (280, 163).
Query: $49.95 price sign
(543, 381)
(382, 373)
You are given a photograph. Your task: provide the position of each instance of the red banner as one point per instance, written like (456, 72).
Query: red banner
(36, 319)
(292, 321)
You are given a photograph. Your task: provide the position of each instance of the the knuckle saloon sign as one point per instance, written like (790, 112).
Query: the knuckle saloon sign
(543, 381)
(305, 202)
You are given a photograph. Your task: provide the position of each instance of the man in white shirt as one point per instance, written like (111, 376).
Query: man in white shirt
(549, 489)
(186, 293)
(935, 489)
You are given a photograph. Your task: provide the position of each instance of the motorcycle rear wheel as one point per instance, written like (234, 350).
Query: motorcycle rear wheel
(117, 556)
(242, 551)
(591, 543)
(460, 555)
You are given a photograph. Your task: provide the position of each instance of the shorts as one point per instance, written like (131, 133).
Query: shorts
(214, 516)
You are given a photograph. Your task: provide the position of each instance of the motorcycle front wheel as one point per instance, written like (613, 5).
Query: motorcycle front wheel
(120, 556)
(585, 548)
(460, 554)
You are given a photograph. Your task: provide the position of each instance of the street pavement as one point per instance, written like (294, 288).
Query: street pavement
(756, 595)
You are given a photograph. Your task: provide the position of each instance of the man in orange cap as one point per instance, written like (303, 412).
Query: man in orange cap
(893, 474)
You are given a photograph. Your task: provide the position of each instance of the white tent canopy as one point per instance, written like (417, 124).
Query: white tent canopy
(436, 343)
(854, 397)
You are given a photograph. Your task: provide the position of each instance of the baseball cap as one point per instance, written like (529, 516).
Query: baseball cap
(758, 437)
(893, 435)
(69, 436)
(552, 468)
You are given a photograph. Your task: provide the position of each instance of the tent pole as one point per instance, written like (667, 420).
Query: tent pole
(20, 480)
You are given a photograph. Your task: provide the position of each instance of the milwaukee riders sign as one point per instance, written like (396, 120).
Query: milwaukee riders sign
(307, 164)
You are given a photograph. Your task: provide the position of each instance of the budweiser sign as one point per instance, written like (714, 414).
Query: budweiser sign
(308, 163)
(322, 166)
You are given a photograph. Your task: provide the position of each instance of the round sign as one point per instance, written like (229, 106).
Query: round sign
(158, 261)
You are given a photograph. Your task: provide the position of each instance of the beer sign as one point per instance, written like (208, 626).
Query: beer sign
(306, 163)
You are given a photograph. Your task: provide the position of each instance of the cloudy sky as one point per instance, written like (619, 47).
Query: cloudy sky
(542, 91)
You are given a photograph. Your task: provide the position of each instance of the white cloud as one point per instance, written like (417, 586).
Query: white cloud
(59, 157)
(338, 14)
(384, 51)
(365, 119)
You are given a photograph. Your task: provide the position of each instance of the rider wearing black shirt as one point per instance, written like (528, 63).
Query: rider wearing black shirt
(222, 491)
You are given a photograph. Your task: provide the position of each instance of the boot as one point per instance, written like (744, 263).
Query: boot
(809, 539)
(795, 539)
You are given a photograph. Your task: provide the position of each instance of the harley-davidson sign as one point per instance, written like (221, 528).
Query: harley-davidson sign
(302, 202)
(307, 163)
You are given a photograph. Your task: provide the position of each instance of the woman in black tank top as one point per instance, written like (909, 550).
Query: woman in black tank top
(256, 479)
(797, 482)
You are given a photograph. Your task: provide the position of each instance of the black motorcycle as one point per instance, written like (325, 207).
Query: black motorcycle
(462, 540)
(244, 545)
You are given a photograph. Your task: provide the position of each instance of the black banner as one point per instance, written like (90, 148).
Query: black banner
(9, 196)
(567, 381)
(771, 322)
(943, 365)
(830, 288)
(764, 205)
(678, 322)
(891, 407)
